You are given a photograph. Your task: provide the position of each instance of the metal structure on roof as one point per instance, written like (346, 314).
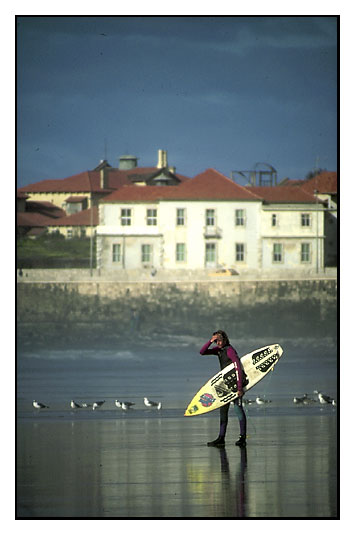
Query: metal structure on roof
(262, 174)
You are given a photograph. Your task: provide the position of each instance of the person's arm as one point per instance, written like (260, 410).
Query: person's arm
(232, 355)
(206, 351)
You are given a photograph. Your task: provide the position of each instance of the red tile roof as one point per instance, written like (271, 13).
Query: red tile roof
(282, 194)
(81, 219)
(209, 185)
(86, 181)
(45, 208)
(90, 181)
(33, 219)
(325, 182)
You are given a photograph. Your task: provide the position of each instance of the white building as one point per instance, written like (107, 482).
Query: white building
(209, 222)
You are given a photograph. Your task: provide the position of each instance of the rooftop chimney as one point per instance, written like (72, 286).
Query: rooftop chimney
(104, 178)
(162, 159)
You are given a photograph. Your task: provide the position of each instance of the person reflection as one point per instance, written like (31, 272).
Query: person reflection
(240, 482)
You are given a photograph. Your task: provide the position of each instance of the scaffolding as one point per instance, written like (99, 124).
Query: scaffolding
(263, 174)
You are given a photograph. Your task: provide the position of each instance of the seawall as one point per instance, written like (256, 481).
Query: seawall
(102, 312)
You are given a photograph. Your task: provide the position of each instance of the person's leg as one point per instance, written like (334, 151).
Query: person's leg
(239, 410)
(223, 422)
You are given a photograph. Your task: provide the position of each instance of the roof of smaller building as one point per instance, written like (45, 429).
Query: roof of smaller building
(325, 182)
(80, 219)
(88, 181)
(283, 194)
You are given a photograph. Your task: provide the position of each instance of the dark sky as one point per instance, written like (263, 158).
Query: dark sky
(221, 92)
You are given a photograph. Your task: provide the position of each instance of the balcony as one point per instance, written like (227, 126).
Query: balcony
(212, 231)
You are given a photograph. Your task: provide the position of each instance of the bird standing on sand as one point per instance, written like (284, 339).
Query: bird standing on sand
(75, 405)
(97, 404)
(38, 405)
(123, 404)
(324, 399)
(150, 403)
(262, 401)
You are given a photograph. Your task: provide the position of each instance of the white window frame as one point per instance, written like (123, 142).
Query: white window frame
(126, 217)
(180, 252)
(180, 217)
(305, 256)
(240, 255)
(277, 256)
(146, 253)
(152, 216)
(210, 217)
(240, 217)
(306, 219)
(116, 253)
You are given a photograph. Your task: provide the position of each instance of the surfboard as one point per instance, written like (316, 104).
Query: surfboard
(222, 387)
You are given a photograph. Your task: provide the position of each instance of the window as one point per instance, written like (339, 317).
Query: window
(240, 218)
(210, 252)
(305, 252)
(116, 252)
(305, 220)
(82, 232)
(69, 233)
(180, 217)
(277, 253)
(126, 215)
(239, 252)
(210, 218)
(151, 216)
(180, 252)
(273, 220)
(146, 253)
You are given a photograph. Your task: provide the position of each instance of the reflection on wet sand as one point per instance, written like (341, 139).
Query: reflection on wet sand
(161, 468)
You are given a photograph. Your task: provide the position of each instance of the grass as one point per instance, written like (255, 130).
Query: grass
(53, 251)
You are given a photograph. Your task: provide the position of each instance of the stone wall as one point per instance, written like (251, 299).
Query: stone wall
(105, 312)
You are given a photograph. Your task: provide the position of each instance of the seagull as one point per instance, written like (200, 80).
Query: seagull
(324, 399)
(38, 405)
(75, 405)
(305, 400)
(123, 404)
(262, 401)
(126, 405)
(97, 404)
(247, 401)
(150, 403)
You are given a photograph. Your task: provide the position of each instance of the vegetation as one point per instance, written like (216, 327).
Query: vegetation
(54, 251)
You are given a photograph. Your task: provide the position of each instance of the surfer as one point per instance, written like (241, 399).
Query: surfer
(227, 354)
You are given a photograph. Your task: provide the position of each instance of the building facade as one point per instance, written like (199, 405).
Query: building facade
(208, 223)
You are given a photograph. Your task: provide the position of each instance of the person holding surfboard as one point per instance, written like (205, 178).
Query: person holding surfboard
(227, 354)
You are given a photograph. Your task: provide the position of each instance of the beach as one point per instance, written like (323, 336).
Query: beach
(158, 466)
(155, 464)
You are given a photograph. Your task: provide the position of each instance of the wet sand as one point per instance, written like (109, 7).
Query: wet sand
(159, 466)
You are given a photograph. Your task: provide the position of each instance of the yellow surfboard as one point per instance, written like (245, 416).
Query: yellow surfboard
(222, 387)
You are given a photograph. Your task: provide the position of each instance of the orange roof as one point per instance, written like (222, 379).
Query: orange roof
(86, 181)
(90, 181)
(82, 218)
(209, 185)
(33, 219)
(325, 182)
(282, 194)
